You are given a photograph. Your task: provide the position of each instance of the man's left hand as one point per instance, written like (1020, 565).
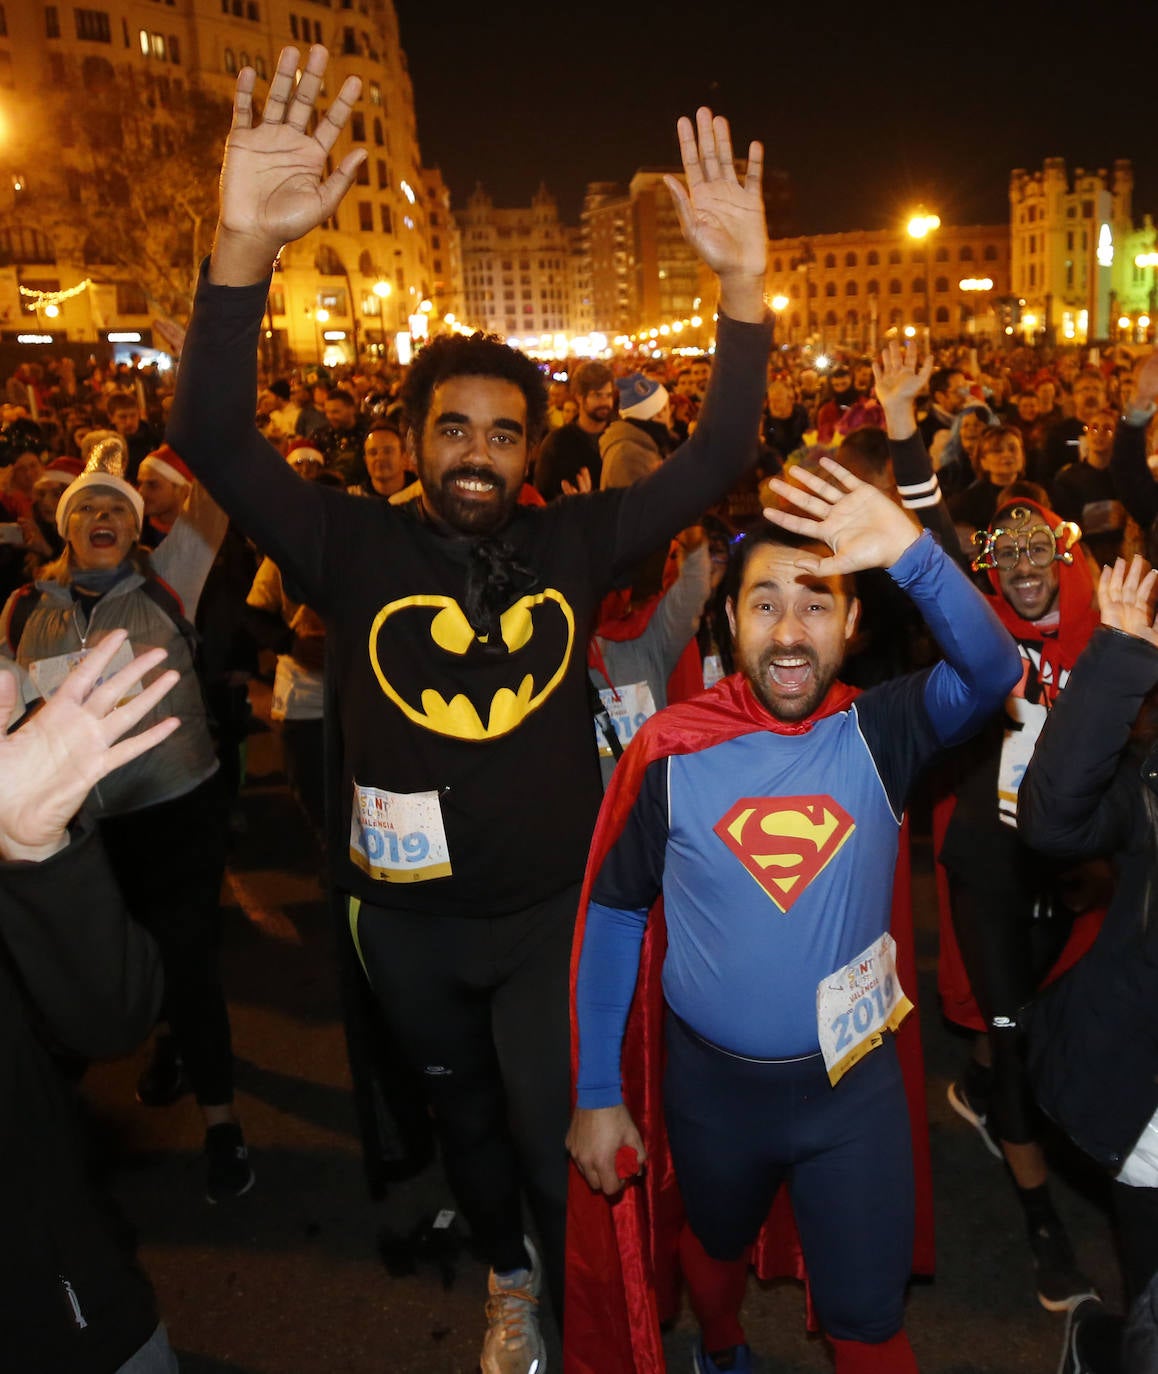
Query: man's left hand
(1125, 598)
(862, 527)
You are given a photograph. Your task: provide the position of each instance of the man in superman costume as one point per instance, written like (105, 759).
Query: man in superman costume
(767, 813)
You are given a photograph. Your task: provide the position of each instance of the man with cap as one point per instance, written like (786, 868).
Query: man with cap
(638, 442)
(164, 483)
(42, 539)
(572, 447)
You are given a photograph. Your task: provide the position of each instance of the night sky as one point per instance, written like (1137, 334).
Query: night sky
(933, 103)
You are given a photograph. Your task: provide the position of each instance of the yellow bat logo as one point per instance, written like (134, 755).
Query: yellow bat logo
(498, 691)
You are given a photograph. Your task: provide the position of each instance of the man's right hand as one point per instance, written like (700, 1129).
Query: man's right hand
(1126, 598)
(273, 183)
(597, 1134)
(898, 384)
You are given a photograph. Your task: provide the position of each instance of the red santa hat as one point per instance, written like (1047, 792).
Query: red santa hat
(60, 472)
(164, 462)
(304, 449)
(106, 455)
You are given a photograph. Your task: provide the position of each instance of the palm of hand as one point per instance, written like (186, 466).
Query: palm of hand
(1147, 386)
(859, 527)
(1129, 617)
(271, 182)
(727, 226)
(65, 753)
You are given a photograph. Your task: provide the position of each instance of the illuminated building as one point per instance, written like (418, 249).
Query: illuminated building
(116, 90)
(607, 248)
(445, 247)
(851, 289)
(516, 266)
(1073, 252)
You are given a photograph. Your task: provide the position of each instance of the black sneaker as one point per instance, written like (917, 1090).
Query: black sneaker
(1071, 1358)
(229, 1171)
(1061, 1285)
(163, 1079)
(971, 1111)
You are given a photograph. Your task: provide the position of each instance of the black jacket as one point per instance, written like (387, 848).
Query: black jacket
(77, 975)
(1094, 1036)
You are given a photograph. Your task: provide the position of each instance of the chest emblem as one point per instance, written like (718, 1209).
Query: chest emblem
(785, 842)
(442, 677)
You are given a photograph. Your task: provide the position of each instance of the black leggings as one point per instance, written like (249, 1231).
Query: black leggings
(479, 1006)
(169, 861)
(1005, 960)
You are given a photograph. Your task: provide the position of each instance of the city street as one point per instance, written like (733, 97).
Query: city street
(288, 1280)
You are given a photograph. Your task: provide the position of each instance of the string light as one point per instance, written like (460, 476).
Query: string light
(41, 299)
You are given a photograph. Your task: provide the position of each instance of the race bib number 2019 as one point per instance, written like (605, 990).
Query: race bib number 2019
(857, 1004)
(398, 837)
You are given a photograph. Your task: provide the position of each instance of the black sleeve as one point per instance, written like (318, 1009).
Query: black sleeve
(92, 973)
(710, 463)
(1136, 488)
(899, 732)
(920, 492)
(631, 876)
(212, 428)
(1074, 801)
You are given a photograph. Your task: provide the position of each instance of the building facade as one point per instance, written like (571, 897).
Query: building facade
(852, 289)
(1074, 250)
(516, 266)
(445, 248)
(114, 116)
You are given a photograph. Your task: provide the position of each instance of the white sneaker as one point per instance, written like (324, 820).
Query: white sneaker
(513, 1343)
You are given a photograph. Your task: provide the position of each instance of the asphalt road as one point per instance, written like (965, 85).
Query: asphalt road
(288, 1280)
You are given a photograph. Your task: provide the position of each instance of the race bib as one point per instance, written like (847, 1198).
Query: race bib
(49, 674)
(628, 708)
(713, 670)
(857, 1004)
(1016, 752)
(398, 837)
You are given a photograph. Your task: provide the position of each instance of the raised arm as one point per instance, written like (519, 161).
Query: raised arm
(1133, 483)
(865, 530)
(723, 220)
(273, 190)
(1073, 800)
(898, 384)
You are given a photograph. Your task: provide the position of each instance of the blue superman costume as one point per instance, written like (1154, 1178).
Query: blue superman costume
(622, 1271)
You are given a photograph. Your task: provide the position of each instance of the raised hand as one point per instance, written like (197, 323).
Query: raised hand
(581, 485)
(273, 183)
(898, 384)
(862, 527)
(55, 759)
(722, 220)
(1125, 598)
(1146, 382)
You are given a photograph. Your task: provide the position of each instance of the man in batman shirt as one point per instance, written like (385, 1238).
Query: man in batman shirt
(456, 635)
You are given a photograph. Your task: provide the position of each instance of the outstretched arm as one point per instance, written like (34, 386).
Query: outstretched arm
(273, 189)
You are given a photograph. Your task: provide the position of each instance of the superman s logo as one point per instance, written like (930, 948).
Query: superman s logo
(420, 644)
(784, 842)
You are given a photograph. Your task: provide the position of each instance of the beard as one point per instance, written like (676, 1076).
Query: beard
(467, 513)
(782, 701)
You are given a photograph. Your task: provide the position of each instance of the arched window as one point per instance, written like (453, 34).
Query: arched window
(795, 320)
(851, 319)
(327, 263)
(873, 288)
(830, 259)
(830, 288)
(894, 287)
(850, 259)
(259, 67)
(919, 315)
(830, 317)
(942, 254)
(896, 316)
(942, 314)
(230, 62)
(794, 290)
(366, 264)
(918, 286)
(990, 254)
(941, 284)
(965, 253)
(244, 58)
(894, 256)
(811, 290)
(872, 257)
(850, 288)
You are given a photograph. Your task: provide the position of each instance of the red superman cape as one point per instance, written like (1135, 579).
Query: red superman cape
(622, 1277)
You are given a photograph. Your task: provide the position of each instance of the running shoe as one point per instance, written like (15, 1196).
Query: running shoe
(971, 1111)
(230, 1173)
(513, 1343)
(1071, 1358)
(736, 1360)
(1061, 1285)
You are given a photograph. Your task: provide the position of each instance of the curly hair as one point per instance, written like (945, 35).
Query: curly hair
(479, 355)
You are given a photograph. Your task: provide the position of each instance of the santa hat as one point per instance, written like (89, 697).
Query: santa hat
(164, 462)
(640, 398)
(303, 448)
(60, 472)
(106, 458)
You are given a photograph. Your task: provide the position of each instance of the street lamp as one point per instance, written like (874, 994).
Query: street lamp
(975, 284)
(919, 227)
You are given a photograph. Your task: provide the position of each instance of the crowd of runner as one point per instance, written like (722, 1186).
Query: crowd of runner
(752, 596)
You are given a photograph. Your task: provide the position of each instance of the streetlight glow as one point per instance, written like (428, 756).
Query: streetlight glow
(779, 303)
(381, 289)
(321, 314)
(921, 225)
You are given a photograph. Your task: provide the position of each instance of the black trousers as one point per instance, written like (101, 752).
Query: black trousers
(480, 1008)
(169, 861)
